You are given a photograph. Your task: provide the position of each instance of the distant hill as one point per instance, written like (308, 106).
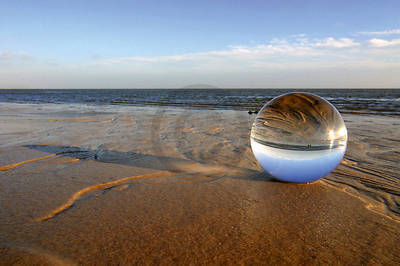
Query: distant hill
(200, 86)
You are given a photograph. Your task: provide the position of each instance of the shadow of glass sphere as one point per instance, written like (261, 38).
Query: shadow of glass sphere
(298, 137)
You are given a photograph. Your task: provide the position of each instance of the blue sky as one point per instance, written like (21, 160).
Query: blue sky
(157, 44)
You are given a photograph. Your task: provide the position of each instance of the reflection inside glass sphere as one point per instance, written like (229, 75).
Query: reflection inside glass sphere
(298, 137)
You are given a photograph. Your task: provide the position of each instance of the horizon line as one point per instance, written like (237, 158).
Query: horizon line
(215, 88)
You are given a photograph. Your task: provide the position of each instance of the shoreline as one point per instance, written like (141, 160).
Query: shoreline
(363, 101)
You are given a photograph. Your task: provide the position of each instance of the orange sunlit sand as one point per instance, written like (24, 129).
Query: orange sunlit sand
(181, 186)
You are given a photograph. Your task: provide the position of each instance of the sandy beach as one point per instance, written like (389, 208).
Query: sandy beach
(109, 185)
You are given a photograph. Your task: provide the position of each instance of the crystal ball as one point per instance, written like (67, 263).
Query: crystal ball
(298, 137)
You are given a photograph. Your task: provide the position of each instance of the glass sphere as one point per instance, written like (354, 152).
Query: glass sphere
(298, 137)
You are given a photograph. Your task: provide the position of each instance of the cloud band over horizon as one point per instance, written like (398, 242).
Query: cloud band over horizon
(296, 61)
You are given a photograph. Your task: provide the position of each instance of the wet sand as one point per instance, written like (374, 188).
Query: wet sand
(130, 185)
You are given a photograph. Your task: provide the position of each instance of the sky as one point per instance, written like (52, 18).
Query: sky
(172, 44)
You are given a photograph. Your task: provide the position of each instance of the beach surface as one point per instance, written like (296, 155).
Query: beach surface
(108, 185)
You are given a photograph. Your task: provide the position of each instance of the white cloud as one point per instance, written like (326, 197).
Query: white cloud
(6, 55)
(385, 32)
(282, 48)
(299, 35)
(298, 61)
(383, 43)
(279, 62)
(340, 43)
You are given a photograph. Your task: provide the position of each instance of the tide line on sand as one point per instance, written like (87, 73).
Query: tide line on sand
(12, 166)
(78, 195)
(26, 253)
